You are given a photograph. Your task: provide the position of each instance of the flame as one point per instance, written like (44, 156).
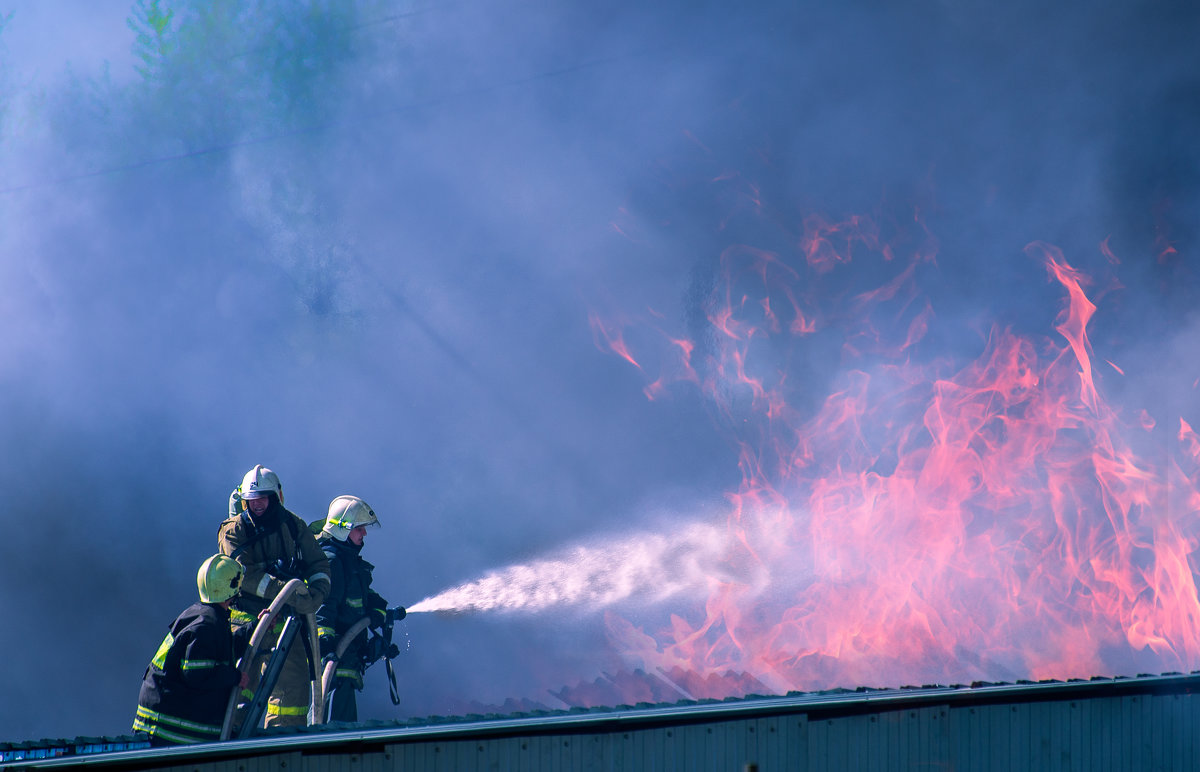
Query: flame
(607, 337)
(1106, 250)
(926, 522)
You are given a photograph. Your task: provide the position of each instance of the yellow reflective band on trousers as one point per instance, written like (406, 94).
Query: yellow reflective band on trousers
(165, 726)
(354, 602)
(325, 632)
(289, 701)
(350, 674)
(166, 734)
(160, 656)
(287, 710)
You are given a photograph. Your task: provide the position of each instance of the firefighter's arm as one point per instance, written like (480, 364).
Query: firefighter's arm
(376, 608)
(327, 614)
(256, 581)
(241, 638)
(202, 663)
(316, 574)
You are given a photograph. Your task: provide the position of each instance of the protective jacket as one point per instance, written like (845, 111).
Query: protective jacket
(350, 598)
(274, 547)
(186, 687)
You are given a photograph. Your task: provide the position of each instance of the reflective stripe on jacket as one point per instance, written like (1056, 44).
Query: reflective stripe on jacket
(350, 597)
(187, 684)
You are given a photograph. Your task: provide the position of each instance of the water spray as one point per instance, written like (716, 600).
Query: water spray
(650, 567)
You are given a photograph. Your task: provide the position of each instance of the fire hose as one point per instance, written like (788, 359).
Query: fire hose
(261, 629)
(252, 719)
(316, 712)
(348, 637)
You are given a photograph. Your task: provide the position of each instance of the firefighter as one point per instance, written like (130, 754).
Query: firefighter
(349, 599)
(186, 687)
(275, 546)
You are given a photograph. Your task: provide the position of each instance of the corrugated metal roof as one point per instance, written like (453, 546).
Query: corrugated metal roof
(822, 704)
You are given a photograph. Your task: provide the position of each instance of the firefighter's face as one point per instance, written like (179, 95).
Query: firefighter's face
(357, 535)
(258, 506)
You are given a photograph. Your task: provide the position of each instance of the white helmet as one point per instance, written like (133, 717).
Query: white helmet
(219, 578)
(257, 483)
(347, 513)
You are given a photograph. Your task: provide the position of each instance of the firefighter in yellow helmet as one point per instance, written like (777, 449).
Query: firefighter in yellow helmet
(275, 546)
(186, 686)
(350, 599)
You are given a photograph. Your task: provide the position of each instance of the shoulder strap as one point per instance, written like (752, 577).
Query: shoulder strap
(295, 531)
(256, 535)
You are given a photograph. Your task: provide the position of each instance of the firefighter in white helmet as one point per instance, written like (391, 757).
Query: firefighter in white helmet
(275, 546)
(350, 598)
(186, 686)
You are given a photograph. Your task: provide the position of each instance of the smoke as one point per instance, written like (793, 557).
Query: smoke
(360, 242)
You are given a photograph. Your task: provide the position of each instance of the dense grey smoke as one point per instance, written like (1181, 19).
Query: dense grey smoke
(359, 243)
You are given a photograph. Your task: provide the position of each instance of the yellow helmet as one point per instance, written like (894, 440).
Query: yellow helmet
(219, 578)
(259, 482)
(347, 513)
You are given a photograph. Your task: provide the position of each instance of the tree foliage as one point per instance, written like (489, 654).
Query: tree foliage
(214, 76)
(222, 69)
(152, 42)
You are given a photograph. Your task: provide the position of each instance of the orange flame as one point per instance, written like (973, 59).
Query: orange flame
(926, 523)
(613, 338)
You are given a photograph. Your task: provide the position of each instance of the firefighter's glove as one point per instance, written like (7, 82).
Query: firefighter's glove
(396, 614)
(303, 602)
(377, 649)
(373, 650)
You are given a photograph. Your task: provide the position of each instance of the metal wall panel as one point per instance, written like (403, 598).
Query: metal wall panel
(1114, 729)
(1158, 732)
